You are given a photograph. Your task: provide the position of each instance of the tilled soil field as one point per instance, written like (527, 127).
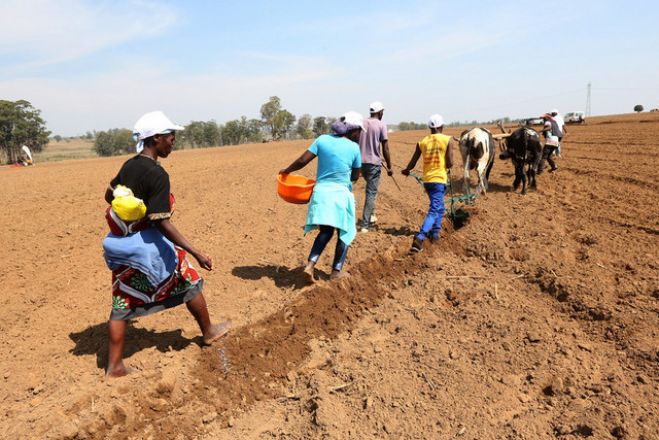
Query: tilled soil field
(536, 320)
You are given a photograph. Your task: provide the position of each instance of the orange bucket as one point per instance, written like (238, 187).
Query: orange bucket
(295, 188)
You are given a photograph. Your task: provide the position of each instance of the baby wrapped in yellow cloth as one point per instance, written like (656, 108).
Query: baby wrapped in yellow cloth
(127, 207)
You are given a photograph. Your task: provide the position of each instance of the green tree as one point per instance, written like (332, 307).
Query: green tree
(283, 122)
(212, 134)
(57, 138)
(638, 108)
(192, 136)
(304, 125)
(269, 112)
(254, 130)
(114, 142)
(277, 120)
(198, 134)
(20, 124)
(320, 126)
(240, 131)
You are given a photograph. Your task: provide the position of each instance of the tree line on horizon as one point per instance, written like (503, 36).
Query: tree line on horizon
(276, 123)
(21, 123)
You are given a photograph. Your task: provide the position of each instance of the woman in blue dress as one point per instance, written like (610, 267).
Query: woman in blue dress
(332, 204)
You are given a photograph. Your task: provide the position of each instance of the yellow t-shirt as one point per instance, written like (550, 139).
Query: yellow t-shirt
(433, 149)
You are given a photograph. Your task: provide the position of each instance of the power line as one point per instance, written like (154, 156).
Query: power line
(641, 89)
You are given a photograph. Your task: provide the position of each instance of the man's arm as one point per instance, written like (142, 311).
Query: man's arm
(387, 156)
(413, 161)
(354, 175)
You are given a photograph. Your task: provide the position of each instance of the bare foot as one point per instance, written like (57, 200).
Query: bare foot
(308, 273)
(117, 371)
(216, 332)
(337, 275)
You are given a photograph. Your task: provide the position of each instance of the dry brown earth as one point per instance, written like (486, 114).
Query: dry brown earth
(537, 320)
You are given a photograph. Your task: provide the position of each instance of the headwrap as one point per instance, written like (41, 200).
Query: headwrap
(347, 122)
(151, 124)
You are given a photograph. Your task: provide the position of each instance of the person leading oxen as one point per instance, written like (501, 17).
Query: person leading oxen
(557, 127)
(477, 151)
(551, 145)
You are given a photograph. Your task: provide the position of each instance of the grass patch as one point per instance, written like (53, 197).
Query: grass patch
(66, 150)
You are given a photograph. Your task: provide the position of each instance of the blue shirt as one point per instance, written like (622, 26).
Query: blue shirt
(337, 156)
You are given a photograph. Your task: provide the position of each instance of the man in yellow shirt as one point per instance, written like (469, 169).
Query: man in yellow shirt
(437, 151)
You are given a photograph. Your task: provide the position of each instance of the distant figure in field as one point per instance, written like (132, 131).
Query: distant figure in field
(374, 135)
(437, 152)
(558, 128)
(551, 145)
(332, 204)
(147, 254)
(26, 156)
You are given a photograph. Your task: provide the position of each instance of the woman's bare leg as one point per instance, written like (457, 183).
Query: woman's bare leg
(197, 306)
(117, 334)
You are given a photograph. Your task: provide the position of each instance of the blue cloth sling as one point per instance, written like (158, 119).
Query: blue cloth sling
(148, 251)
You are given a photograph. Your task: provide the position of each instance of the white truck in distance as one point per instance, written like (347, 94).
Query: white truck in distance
(574, 118)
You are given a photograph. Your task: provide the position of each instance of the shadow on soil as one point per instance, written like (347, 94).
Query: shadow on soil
(401, 231)
(281, 275)
(94, 340)
(497, 187)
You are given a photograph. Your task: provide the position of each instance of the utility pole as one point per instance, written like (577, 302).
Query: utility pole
(588, 102)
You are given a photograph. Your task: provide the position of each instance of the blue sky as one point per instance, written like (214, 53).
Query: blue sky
(94, 65)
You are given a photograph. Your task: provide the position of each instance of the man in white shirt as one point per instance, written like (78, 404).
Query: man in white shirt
(551, 144)
(559, 130)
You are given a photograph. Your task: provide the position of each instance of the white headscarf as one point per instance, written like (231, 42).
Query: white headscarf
(151, 124)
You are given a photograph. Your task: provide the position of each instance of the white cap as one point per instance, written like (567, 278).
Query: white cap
(553, 111)
(376, 107)
(154, 123)
(436, 121)
(354, 118)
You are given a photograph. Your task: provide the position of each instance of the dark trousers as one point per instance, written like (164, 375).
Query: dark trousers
(321, 241)
(547, 154)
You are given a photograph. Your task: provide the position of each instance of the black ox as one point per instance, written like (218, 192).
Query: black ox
(523, 147)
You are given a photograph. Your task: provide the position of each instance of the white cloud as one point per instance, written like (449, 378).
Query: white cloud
(43, 32)
(117, 98)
